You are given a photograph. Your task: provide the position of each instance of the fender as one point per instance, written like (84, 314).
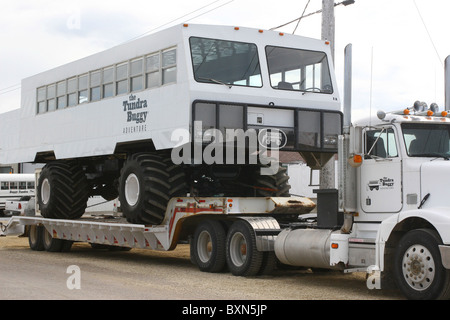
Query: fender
(438, 217)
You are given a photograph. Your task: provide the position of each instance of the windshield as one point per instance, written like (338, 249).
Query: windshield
(298, 70)
(427, 140)
(225, 62)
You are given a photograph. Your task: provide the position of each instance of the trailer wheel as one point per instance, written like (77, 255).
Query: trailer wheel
(144, 188)
(208, 249)
(55, 245)
(243, 258)
(418, 268)
(36, 237)
(62, 190)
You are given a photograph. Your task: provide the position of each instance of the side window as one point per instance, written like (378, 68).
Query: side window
(381, 144)
(153, 70)
(4, 185)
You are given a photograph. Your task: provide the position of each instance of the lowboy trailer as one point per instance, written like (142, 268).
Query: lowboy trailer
(247, 247)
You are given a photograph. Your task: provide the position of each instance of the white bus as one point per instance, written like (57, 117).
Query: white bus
(15, 186)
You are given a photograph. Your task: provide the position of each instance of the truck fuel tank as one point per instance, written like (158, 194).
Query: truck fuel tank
(304, 248)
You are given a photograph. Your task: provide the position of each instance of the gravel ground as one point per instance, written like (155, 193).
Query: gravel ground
(154, 275)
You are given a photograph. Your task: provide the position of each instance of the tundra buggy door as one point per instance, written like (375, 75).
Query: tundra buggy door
(380, 173)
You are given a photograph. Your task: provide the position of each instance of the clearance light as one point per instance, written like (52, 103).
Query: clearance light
(236, 28)
(444, 113)
(185, 25)
(327, 43)
(406, 112)
(430, 113)
(355, 161)
(281, 34)
(334, 246)
(357, 158)
(260, 31)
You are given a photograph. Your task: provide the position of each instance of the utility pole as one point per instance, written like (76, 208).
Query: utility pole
(328, 23)
(327, 174)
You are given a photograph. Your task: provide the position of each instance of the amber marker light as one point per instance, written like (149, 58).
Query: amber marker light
(357, 158)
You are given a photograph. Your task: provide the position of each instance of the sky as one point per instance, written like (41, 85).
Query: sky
(399, 47)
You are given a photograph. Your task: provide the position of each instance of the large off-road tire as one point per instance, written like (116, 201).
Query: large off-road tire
(418, 268)
(62, 190)
(276, 185)
(144, 188)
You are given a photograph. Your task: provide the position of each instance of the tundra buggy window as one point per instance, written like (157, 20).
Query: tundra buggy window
(298, 70)
(225, 62)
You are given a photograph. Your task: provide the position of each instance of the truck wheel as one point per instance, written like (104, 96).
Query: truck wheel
(268, 264)
(144, 188)
(62, 190)
(243, 258)
(208, 249)
(418, 268)
(36, 237)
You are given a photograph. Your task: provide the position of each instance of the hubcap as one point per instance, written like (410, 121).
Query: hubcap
(418, 267)
(45, 191)
(238, 249)
(204, 246)
(132, 189)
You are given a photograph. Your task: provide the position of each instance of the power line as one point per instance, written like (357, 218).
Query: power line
(300, 19)
(2, 91)
(345, 3)
(10, 89)
(185, 15)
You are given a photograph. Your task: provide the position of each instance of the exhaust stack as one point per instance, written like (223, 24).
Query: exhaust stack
(447, 83)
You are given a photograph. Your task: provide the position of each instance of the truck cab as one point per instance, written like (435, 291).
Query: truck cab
(406, 214)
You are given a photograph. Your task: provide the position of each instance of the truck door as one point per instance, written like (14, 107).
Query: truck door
(380, 173)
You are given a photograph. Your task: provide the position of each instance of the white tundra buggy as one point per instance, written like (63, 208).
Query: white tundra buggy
(191, 110)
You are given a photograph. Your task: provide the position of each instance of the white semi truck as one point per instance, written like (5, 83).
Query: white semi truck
(265, 81)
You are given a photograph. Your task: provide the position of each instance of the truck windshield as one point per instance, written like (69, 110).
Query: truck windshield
(298, 70)
(225, 62)
(427, 140)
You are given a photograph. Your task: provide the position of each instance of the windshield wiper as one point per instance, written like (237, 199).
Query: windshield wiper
(216, 81)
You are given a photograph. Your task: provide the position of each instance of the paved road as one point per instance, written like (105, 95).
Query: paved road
(146, 274)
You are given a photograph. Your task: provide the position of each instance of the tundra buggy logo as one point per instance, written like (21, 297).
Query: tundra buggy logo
(134, 111)
(272, 139)
(384, 183)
